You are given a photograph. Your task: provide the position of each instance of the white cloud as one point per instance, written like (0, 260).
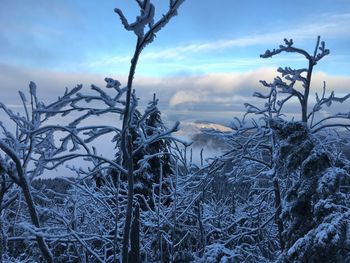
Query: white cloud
(234, 87)
(223, 88)
(181, 97)
(327, 25)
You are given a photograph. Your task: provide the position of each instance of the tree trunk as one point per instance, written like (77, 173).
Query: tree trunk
(278, 212)
(128, 215)
(134, 254)
(22, 182)
(35, 220)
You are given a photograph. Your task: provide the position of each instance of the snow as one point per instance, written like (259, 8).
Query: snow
(224, 210)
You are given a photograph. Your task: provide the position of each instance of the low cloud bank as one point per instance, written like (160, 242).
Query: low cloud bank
(213, 97)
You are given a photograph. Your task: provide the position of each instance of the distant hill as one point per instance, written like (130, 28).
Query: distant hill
(198, 133)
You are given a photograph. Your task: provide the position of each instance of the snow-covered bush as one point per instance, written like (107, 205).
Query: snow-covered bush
(279, 192)
(36, 145)
(249, 170)
(315, 212)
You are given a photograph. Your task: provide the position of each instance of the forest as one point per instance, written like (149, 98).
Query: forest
(279, 191)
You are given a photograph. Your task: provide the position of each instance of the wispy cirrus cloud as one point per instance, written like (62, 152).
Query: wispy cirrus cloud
(208, 55)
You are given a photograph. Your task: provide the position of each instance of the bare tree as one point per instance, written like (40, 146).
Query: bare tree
(295, 75)
(297, 83)
(145, 29)
(38, 145)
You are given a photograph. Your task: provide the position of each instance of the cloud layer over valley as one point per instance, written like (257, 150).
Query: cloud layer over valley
(216, 97)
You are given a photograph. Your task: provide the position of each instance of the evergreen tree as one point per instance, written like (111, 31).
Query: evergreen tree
(315, 213)
(147, 170)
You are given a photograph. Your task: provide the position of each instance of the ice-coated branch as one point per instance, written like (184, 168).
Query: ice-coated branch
(327, 101)
(288, 47)
(145, 18)
(150, 35)
(15, 176)
(145, 28)
(57, 161)
(294, 76)
(23, 183)
(319, 53)
(156, 137)
(74, 101)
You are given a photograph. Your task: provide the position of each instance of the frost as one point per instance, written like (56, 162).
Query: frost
(280, 191)
(330, 180)
(218, 253)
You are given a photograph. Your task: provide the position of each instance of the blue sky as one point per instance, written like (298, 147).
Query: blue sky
(203, 65)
